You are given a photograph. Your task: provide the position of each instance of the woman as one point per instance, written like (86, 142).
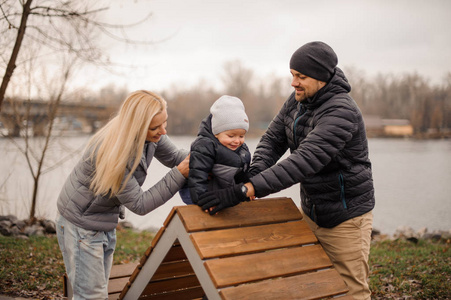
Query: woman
(107, 178)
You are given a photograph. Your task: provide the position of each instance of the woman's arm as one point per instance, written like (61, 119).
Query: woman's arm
(168, 154)
(142, 202)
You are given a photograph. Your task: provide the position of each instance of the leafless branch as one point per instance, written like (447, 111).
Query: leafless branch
(48, 11)
(5, 16)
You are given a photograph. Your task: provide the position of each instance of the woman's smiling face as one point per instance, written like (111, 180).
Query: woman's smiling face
(157, 127)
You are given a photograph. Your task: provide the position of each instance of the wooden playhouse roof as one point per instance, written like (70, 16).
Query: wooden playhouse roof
(256, 250)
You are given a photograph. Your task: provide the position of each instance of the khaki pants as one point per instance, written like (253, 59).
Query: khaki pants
(348, 247)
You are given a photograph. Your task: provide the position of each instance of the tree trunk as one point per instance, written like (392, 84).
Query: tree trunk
(12, 62)
(52, 110)
(32, 218)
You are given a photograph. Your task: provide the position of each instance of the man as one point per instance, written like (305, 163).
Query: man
(324, 130)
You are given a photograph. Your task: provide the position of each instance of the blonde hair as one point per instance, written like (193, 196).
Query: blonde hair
(119, 144)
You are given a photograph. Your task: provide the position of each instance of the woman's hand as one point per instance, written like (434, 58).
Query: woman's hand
(184, 166)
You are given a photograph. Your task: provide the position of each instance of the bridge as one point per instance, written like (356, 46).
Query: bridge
(34, 115)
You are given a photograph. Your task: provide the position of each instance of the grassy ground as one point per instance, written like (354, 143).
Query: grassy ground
(402, 269)
(399, 269)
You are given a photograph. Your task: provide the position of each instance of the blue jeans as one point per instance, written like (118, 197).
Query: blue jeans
(88, 257)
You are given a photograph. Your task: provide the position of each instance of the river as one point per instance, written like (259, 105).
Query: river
(412, 182)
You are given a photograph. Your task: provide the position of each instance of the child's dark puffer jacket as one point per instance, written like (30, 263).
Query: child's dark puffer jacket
(212, 165)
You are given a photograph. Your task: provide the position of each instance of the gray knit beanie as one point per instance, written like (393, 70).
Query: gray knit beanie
(316, 59)
(228, 113)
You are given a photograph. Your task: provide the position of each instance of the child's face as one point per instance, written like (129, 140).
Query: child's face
(232, 139)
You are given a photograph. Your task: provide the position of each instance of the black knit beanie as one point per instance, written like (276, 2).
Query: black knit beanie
(316, 59)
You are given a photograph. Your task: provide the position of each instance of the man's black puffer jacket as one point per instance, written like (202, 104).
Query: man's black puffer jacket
(329, 155)
(212, 165)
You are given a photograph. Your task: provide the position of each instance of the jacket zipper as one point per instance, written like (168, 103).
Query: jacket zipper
(341, 180)
(313, 213)
(299, 115)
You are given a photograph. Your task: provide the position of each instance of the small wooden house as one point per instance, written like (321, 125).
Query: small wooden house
(256, 250)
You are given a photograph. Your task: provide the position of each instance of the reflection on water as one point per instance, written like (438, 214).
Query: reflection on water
(412, 180)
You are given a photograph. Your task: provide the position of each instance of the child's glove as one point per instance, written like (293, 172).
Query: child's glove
(241, 177)
(217, 200)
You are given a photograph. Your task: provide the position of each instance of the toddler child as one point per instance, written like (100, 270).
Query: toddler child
(219, 153)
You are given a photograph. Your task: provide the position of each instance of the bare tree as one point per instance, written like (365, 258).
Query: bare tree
(237, 79)
(410, 97)
(37, 34)
(18, 43)
(35, 150)
(187, 108)
(67, 26)
(54, 102)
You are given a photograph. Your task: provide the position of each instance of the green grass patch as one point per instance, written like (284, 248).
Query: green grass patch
(398, 269)
(131, 245)
(404, 269)
(30, 268)
(34, 267)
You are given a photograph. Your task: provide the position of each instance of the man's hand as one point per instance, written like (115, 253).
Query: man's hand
(215, 201)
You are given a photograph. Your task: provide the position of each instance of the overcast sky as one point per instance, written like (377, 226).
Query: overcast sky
(375, 36)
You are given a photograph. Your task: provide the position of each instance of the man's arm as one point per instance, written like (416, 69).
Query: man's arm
(333, 128)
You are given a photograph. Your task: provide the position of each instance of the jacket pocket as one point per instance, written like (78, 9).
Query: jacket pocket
(341, 181)
(89, 235)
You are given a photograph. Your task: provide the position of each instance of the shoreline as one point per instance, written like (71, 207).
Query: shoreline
(11, 226)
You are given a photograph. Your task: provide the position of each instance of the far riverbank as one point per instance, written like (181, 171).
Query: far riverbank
(411, 179)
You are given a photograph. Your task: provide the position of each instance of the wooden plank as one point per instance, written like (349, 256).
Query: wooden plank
(144, 258)
(125, 290)
(154, 241)
(125, 270)
(154, 261)
(65, 285)
(187, 294)
(156, 238)
(114, 296)
(257, 212)
(170, 216)
(196, 262)
(344, 297)
(117, 285)
(135, 274)
(173, 284)
(226, 242)
(172, 270)
(175, 253)
(314, 285)
(258, 266)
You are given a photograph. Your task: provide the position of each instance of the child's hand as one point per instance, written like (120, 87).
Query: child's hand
(210, 209)
(241, 177)
(217, 200)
